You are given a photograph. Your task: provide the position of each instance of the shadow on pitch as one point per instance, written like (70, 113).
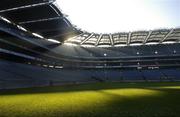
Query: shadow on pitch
(89, 87)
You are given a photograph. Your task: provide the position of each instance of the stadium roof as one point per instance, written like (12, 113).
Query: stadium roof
(40, 16)
(45, 18)
(124, 39)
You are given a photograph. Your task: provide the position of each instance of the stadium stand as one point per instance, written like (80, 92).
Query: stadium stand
(35, 51)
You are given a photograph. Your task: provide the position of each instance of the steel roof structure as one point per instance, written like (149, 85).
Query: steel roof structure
(45, 18)
(127, 38)
(39, 16)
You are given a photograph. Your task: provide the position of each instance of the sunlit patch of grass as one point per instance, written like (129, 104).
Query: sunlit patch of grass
(111, 101)
(170, 87)
(133, 92)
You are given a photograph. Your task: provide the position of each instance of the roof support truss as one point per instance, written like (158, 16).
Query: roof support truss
(41, 20)
(27, 6)
(87, 38)
(167, 35)
(98, 40)
(55, 10)
(111, 40)
(129, 38)
(145, 40)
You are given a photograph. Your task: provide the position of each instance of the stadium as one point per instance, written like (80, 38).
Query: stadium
(51, 68)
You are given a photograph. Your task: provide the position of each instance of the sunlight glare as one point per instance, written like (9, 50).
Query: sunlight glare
(109, 16)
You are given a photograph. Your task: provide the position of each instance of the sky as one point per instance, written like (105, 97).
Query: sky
(110, 16)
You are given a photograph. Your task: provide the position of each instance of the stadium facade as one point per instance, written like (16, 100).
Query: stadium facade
(39, 46)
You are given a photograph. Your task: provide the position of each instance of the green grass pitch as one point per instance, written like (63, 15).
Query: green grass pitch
(93, 100)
